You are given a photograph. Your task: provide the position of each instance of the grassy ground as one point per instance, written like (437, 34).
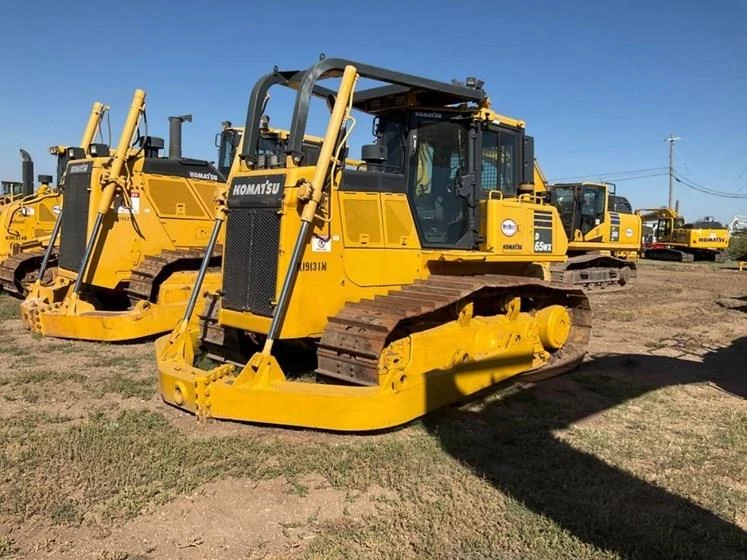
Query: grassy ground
(638, 454)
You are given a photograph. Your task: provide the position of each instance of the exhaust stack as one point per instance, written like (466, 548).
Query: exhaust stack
(175, 135)
(27, 173)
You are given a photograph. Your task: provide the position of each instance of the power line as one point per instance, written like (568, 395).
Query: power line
(618, 180)
(736, 180)
(621, 173)
(706, 190)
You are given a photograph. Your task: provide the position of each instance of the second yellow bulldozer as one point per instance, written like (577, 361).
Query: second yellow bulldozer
(360, 296)
(30, 221)
(133, 231)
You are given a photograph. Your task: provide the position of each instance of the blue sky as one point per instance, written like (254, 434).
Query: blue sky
(599, 84)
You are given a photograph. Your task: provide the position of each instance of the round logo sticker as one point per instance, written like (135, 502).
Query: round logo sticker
(508, 227)
(629, 232)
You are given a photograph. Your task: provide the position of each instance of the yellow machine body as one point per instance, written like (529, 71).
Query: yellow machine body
(146, 223)
(668, 237)
(405, 316)
(604, 234)
(28, 223)
(371, 247)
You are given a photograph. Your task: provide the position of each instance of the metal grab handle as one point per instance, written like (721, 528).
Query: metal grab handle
(50, 247)
(203, 271)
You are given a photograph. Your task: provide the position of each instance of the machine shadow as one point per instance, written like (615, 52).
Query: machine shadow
(738, 307)
(511, 443)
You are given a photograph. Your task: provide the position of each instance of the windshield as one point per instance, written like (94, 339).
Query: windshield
(563, 198)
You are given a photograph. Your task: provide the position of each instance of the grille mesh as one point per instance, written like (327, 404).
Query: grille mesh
(74, 219)
(251, 259)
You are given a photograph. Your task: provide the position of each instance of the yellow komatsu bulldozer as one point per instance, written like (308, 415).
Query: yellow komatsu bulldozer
(604, 234)
(133, 231)
(30, 221)
(668, 238)
(361, 296)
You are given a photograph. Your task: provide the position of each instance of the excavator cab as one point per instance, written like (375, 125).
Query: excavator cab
(582, 206)
(664, 229)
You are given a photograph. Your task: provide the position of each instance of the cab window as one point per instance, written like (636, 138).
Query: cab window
(438, 158)
(663, 228)
(499, 162)
(592, 208)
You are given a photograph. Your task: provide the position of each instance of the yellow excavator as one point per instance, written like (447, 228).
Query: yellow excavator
(604, 234)
(31, 220)
(133, 230)
(359, 297)
(668, 238)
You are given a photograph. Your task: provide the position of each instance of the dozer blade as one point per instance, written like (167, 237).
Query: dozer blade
(396, 357)
(158, 299)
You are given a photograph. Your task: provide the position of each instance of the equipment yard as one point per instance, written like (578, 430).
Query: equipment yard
(639, 453)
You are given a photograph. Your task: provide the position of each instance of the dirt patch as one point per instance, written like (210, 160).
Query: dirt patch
(637, 454)
(233, 518)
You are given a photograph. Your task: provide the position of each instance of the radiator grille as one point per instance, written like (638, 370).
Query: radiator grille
(251, 260)
(73, 230)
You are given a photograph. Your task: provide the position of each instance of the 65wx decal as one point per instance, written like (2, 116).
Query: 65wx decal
(543, 241)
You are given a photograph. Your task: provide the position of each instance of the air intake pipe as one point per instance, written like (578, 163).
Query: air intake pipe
(27, 173)
(175, 135)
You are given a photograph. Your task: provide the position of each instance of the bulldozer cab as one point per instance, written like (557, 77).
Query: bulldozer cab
(270, 148)
(445, 158)
(11, 188)
(434, 143)
(227, 141)
(582, 207)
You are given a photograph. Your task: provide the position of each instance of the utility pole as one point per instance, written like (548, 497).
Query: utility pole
(671, 139)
